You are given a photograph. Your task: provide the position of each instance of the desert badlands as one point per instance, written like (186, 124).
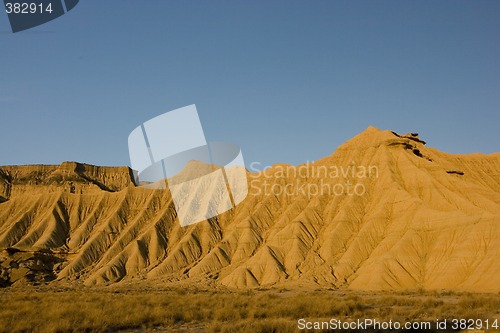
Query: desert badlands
(383, 213)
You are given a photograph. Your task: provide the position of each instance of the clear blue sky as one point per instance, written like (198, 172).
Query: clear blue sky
(288, 81)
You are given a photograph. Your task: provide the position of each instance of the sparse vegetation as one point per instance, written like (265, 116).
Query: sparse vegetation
(165, 310)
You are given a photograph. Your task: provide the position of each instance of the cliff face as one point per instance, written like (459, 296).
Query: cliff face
(69, 177)
(382, 212)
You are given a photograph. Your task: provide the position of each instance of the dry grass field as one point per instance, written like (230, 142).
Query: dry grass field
(148, 309)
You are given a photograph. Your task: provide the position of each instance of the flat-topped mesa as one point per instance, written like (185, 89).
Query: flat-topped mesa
(107, 178)
(69, 177)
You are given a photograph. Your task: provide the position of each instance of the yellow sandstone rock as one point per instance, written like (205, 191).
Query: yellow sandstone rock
(382, 212)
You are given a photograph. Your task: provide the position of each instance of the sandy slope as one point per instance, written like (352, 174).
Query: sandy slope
(382, 212)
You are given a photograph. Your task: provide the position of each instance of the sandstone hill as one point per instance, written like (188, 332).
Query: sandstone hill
(382, 212)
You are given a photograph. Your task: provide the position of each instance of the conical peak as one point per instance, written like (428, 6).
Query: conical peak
(374, 137)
